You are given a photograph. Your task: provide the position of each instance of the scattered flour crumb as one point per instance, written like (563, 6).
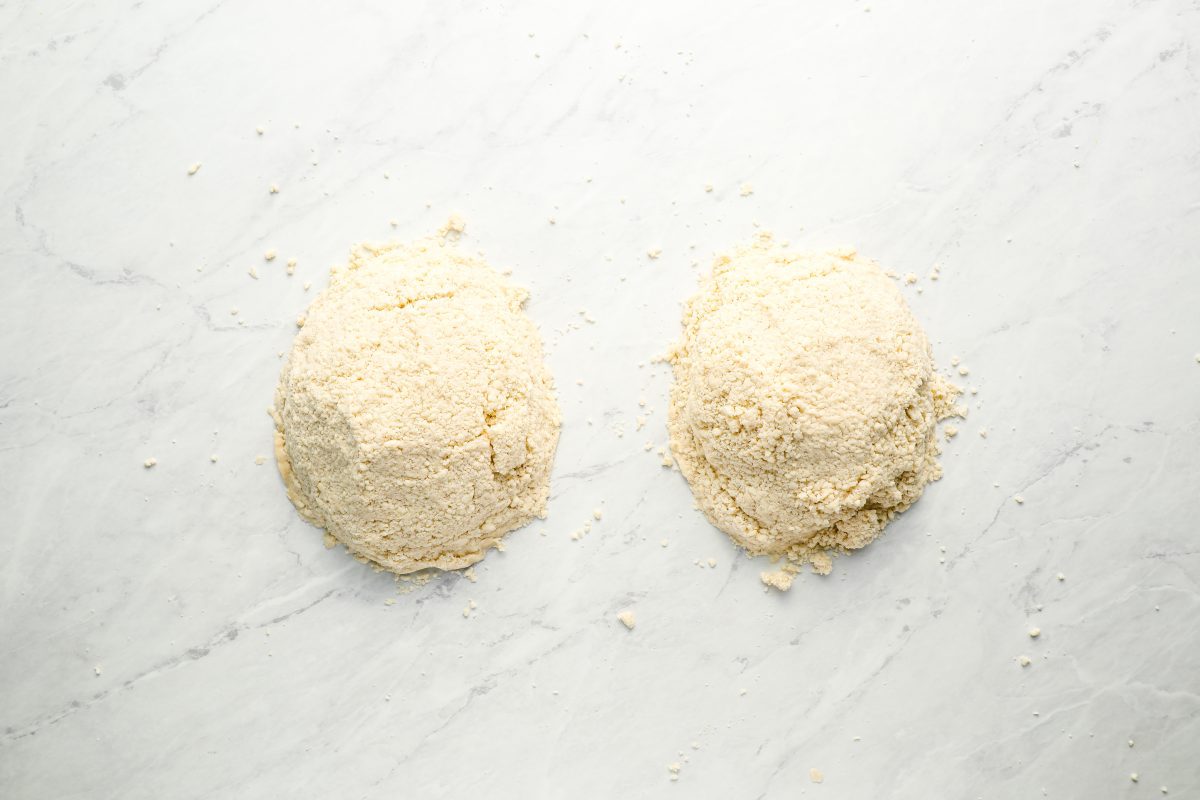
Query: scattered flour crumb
(964, 371)
(1035, 633)
(712, 562)
(815, 775)
(1133, 776)
(469, 574)
(270, 254)
(654, 252)
(627, 619)
(745, 190)
(708, 187)
(213, 458)
(149, 462)
(98, 669)
(273, 188)
(910, 278)
(1024, 661)
(983, 432)
(597, 513)
(260, 130)
(253, 273)
(779, 579)
(1018, 499)
(194, 168)
(951, 431)
(673, 768)
(260, 460)
(1061, 576)
(665, 542)
(453, 228)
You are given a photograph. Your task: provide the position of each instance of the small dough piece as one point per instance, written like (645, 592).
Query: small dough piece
(805, 402)
(627, 619)
(415, 417)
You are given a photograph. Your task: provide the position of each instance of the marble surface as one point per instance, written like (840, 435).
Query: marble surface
(179, 632)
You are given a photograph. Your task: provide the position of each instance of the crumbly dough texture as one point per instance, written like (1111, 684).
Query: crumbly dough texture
(415, 417)
(805, 402)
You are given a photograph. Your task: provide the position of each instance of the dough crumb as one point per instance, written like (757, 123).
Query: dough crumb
(1018, 499)
(673, 768)
(779, 579)
(270, 254)
(627, 619)
(260, 130)
(453, 228)
(1024, 661)
(815, 775)
(950, 431)
(99, 669)
(708, 187)
(597, 513)
(1060, 577)
(149, 462)
(910, 278)
(1133, 776)
(213, 458)
(712, 563)
(654, 252)
(194, 168)
(260, 460)
(329, 541)
(273, 189)
(1035, 633)
(253, 273)
(745, 190)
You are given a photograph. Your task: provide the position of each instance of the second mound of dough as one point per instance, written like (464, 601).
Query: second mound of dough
(805, 402)
(415, 417)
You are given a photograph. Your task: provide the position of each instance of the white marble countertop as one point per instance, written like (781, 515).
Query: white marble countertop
(179, 632)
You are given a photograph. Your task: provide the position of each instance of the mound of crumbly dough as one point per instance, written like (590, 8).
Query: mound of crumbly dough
(805, 403)
(415, 417)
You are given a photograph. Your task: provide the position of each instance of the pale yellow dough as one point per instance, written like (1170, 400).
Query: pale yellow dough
(415, 417)
(805, 403)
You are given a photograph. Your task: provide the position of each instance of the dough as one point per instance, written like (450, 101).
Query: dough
(415, 418)
(805, 402)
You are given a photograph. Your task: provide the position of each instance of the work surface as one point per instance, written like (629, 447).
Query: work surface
(179, 632)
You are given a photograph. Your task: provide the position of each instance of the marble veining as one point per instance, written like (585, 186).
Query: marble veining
(179, 631)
